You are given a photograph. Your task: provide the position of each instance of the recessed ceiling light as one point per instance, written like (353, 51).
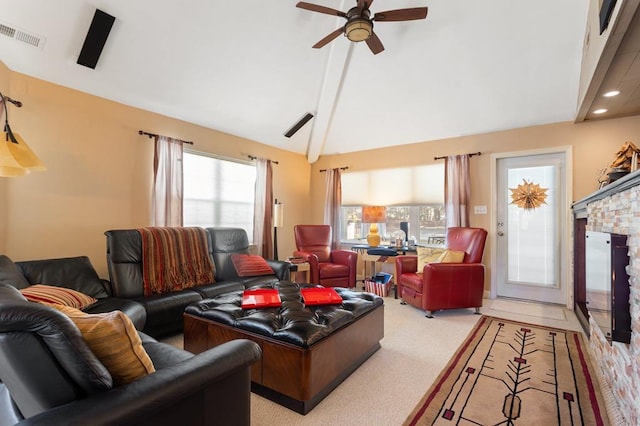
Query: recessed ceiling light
(600, 111)
(611, 94)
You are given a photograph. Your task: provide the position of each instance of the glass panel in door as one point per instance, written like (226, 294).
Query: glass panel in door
(529, 243)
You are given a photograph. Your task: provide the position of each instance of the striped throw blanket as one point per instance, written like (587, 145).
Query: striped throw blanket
(174, 259)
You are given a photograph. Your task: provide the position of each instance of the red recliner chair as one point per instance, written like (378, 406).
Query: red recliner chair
(446, 285)
(329, 268)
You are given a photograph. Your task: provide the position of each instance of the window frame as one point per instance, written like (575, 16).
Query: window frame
(388, 228)
(219, 222)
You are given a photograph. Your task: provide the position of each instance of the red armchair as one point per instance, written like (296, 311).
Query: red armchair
(329, 268)
(446, 285)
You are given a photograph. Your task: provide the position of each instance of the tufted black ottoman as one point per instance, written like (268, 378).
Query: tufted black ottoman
(307, 351)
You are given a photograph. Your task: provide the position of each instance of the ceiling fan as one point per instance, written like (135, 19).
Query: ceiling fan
(359, 26)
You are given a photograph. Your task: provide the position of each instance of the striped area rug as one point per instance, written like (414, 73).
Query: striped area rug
(514, 373)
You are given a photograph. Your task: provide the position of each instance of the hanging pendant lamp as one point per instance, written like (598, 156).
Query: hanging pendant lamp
(16, 158)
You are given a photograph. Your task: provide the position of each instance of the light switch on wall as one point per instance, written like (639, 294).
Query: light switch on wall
(480, 209)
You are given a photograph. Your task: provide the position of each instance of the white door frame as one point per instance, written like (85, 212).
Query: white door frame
(566, 273)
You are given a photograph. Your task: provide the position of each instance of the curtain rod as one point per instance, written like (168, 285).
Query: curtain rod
(470, 155)
(154, 135)
(253, 157)
(341, 168)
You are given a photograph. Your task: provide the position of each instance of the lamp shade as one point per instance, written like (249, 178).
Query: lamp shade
(374, 214)
(16, 158)
(278, 215)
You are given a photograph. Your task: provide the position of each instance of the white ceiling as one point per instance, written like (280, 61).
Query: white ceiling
(246, 67)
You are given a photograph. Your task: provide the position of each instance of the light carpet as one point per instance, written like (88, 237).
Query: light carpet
(387, 387)
(509, 372)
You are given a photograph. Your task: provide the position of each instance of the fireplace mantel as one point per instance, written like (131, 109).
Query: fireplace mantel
(622, 184)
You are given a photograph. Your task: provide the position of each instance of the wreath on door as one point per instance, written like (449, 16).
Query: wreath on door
(528, 195)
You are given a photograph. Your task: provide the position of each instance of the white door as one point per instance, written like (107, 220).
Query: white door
(531, 243)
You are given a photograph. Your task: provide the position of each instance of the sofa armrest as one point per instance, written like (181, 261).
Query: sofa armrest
(281, 269)
(312, 260)
(309, 257)
(212, 387)
(467, 278)
(344, 257)
(451, 268)
(406, 264)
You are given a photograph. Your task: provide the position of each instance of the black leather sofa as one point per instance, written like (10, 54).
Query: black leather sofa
(51, 377)
(164, 311)
(156, 315)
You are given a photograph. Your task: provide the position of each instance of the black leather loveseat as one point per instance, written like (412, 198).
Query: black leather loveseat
(76, 273)
(164, 311)
(50, 376)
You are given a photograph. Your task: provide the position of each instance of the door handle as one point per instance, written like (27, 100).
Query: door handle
(500, 233)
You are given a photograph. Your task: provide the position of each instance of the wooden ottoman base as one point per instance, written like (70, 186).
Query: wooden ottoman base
(296, 377)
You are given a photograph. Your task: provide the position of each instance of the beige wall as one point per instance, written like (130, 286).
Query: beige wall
(594, 147)
(4, 88)
(100, 171)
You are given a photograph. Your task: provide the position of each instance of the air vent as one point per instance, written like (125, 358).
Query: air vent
(8, 31)
(20, 35)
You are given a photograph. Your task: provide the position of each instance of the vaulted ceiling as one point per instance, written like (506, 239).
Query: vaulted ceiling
(247, 67)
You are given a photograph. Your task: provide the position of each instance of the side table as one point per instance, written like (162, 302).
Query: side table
(296, 268)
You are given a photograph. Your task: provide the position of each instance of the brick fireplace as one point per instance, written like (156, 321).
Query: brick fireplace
(615, 209)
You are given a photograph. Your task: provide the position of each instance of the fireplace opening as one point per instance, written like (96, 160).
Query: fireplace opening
(607, 284)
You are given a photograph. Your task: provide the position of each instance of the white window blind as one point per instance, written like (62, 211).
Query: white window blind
(218, 192)
(418, 185)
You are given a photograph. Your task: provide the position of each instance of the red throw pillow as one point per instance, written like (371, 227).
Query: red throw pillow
(248, 265)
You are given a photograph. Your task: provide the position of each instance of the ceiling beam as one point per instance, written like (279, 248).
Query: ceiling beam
(329, 96)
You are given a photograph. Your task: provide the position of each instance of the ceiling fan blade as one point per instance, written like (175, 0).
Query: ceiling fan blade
(328, 38)
(401, 14)
(320, 9)
(375, 44)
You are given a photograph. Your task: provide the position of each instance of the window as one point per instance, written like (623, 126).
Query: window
(412, 194)
(425, 222)
(218, 192)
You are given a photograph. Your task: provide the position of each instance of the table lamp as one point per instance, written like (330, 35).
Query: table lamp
(374, 215)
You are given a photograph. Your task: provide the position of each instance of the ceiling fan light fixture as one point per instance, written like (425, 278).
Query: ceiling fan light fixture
(358, 29)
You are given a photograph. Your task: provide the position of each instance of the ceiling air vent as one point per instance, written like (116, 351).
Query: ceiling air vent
(20, 35)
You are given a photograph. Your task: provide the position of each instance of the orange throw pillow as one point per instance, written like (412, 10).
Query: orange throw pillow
(114, 341)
